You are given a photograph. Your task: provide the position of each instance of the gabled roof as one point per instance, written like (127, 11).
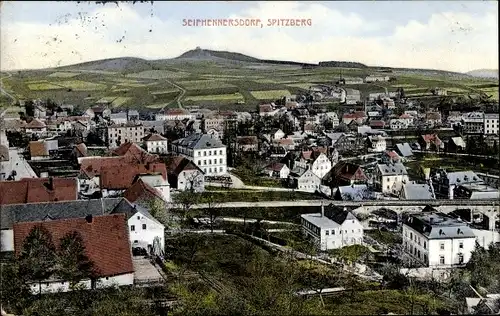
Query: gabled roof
(414, 191)
(133, 150)
(437, 225)
(38, 149)
(81, 149)
(122, 176)
(275, 166)
(35, 190)
(141, 191)
(404, 149)
(30, 212)
(130, 209)
(431, 138)
(177, 164)
(347, 171)
(265, 108)
(339, 215)
(35, 123)
(154, 138)
(247, 140)
(176, 111)
(106, 240)
(392, 169)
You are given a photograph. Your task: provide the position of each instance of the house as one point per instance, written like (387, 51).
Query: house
(376, 144)
(377, 124)
(98, 111)
(398, 124)
(38, 150)
(119, 118)
(333, 228)
(352, 96)
(370, 79)
(345, 173)
(355, 192)
(473, 123)
(433, 119)
(491, 123)
(36, 127)
(276, 134)
(38, 190)
(175, 114)
(437, 240)
(390, 156)
(143, 229)
(404, 150)
(305, 180)
(475, 191)
(129, 132)
(156, 144)
(389, 178)
(277, 170)
(456, 145)
(267, 110)
(416, 191)
(358, 116)
(185, 175)
(151, 186)
(446, 182)
(431, 142)
(247, 143)
(133, 115)
(106, 243)
(206, 151)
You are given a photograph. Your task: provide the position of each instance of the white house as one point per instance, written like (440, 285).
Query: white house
(174, 115)
(156, 144)
(184, 175)
(278, 170)
(376, 78)
(377, 144)
(397, 124)
(390, 177)
(277, 134)
(306, 180)
(332, 229)
(119, 134)
(436, 240)
(158, 182)
(491, 123)
(207, 152)
(321, 165)
(144, 229)
(36, 127)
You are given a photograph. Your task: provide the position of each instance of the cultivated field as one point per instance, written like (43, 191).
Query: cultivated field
(44, 86)
(216, 97)
(270, 94)
(204, 84)
(63, 74)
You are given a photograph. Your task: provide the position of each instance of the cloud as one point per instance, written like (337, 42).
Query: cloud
(446, 40)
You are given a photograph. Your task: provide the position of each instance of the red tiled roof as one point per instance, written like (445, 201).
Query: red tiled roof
(348, 171)
(247, 140)
(106, 240)
(82, 149)
(35, 124)
(38, 190)
(135, 153)
(306, 155)
(122, 177)
(154, 138)
(177, 164)
(377, 123)
(37, 149)
(141, 190)
(405, 116)
(431, 138)
(275, 166)
(176, 112)
(392, 154)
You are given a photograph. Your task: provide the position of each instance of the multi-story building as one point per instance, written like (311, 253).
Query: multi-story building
(491, 123)
(333, 228)
(206, 151)
(437, 240)
(390, 177)
(119, 134)
(376, 78)
(174, 115)
(473, 123)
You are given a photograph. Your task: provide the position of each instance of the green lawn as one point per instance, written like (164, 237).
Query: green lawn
(40, 86)
(204, 84)
(79, 85)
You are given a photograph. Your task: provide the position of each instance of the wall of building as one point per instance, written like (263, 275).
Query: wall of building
(6, 240)
(140, 237)
(157, 147)
(58, 286)
(212, 161)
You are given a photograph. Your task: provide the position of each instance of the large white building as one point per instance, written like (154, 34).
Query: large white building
(333, 228)
(437, 240)
(144, 228)
(174, 115)
(119, 134)
(207, 152)
(491, 123)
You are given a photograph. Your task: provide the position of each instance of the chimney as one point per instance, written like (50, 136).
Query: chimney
(322, 209)
(431, 220)
(88, 218)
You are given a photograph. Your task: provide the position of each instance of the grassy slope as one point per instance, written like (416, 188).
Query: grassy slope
(136, 79)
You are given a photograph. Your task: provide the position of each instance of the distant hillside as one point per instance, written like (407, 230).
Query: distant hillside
(112, 64)
(484, 73)
(206, 54)
(342, 64)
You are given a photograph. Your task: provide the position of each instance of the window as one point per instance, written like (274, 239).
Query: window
(138, 217)
(210, 153)
(220, 152)
(425, 245)
(136, 241)
(411, 235)
(143, 226)
(204, 162)
(204, 153)
(441, 246)
(418, 254)
(220, 160)
(461, 245)
(425, 258)
(132, 228)
(333, 231)
(327, 232)
(460, 258)
(441, 260)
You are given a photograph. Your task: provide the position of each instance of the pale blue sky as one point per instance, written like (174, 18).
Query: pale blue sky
(367, 31)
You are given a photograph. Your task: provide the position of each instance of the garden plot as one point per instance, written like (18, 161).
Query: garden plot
(159, 74)
(216, 97)
(79, 85)
(204, 84)
(41, 86)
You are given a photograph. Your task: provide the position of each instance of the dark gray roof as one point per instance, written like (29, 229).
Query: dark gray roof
(130, 209)
(339, 214)
(439, 226)
(404, 150)
(31, 212)
(392, 169)
(199, 141)
(417, 191)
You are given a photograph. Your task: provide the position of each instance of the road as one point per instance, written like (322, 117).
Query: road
(5, 92)
(452, 154)
(304, 203)
(180, 96)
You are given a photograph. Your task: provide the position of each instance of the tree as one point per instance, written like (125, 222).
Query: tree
(38, 256)
(211, 211)
(29, 108)
(73, 263)
(186, 200)
(13, 289)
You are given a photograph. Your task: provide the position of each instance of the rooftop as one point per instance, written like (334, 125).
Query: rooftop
(437, 225)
